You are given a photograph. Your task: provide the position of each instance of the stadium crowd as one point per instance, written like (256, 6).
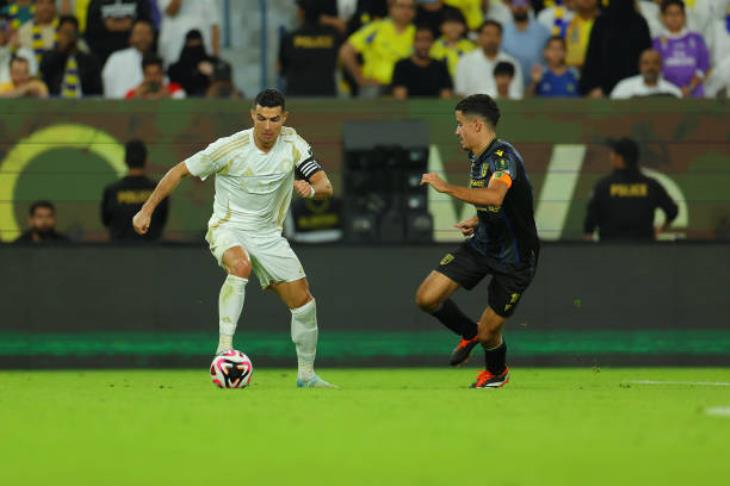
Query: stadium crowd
(154, 49)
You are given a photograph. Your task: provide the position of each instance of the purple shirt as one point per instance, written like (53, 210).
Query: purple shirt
(683, 56)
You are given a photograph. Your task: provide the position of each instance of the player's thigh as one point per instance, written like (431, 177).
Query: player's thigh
(506, 289)
(435, 289)
(236, 261)
(293, 294)
(274, 261)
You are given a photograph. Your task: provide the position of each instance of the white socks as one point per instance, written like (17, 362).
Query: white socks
(304, 334)
(230, 305)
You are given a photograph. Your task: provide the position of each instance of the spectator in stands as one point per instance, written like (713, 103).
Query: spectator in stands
(366, 11)
(68, 72)
(21, 84)
(124, 198)
(649, 9)
(154, 86)
(194, 70)
(308, 55)
(618, 38)
(685, 55)
(39, 34)
(504, 74)
(524, 38)
(110, 23)
(649, 82)
(420, 74)
(181, 16)
(42, 225)
(452, 44)
(718, 84)
(558, 80)
(490, 10)
(712, 20)
(123, 70)
(623, 204)
(474, 74)
(381, 43)
(222, 86)
(578, 32)
(17, 13)
(77, 8)
(556, 17)
(7, 51)
(431, 13)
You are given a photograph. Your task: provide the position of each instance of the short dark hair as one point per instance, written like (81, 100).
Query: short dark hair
(424, 27)
(504, 68)
(69, 19)
(556, 38)
(41, 204)
(453, 16)
(493, 23)
(135, 154)
(668, 3)
(481, 105)
(151, 59)
(270, 98)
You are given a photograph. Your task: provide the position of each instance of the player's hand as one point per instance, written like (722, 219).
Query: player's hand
(536, 73)
(432, 179)
(141, 222)
(467, 226)
(303, 189)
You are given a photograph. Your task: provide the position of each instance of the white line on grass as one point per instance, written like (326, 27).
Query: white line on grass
(691, 383)
(718, 411)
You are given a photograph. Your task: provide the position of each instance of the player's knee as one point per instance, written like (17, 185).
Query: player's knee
(301, 300)
(240, 267)
(427, 301)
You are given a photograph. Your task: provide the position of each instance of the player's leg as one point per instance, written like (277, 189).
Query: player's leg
(505, 291)
(237, 264)
(433, 296)
(304, 330)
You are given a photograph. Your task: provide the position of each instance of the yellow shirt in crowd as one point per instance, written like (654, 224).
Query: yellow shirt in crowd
(472, 10)
(381, 46)
(577, 35)
(440, 50)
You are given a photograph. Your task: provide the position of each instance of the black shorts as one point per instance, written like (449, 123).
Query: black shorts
(468, 267)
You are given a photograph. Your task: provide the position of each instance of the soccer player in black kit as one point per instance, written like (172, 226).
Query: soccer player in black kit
(502, 240)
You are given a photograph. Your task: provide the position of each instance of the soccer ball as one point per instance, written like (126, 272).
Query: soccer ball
(232, 369)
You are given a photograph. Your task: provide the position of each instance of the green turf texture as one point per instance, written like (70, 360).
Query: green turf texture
(414, 426)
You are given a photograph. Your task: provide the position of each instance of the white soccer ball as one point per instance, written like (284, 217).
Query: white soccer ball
(232, 369)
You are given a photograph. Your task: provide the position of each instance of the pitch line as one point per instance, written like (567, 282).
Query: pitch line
(667, 382)
(718, 411)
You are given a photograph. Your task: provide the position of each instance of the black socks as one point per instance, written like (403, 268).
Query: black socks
(495, 359)
(451, 316)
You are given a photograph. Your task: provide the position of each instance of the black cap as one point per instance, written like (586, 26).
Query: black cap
(627, 148)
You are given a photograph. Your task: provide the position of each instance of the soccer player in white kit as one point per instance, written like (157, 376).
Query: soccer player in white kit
(255, 173)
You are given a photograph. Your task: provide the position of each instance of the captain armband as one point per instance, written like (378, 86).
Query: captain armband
(307, 169)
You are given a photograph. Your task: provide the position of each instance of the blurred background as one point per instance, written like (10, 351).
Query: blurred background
(98, 98)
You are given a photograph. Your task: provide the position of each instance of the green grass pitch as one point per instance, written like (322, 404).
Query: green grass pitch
(384, 426)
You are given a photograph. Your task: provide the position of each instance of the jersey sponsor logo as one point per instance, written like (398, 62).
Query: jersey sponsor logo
(629, 190)
(133, 197)
(501, 165)
(478, 183)
(448, 258)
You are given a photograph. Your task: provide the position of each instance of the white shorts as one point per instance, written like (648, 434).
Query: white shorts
(272, 258)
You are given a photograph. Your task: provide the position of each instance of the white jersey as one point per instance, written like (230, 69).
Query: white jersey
(253, 189)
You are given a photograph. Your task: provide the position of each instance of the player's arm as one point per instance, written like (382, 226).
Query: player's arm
(317, 187)
(492, 195)
(165, 187)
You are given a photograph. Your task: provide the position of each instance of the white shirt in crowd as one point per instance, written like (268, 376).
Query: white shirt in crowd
(122, 72)
(499, 12)
(635, 86)
(253, 189)
(193, 14)
(719, 80)
(475, 74)
(6, 54)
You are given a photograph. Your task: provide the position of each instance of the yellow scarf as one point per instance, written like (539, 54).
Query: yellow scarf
(71, 86)
(37, 44)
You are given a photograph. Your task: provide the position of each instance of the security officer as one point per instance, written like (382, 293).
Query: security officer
(623, 204)
(123, 199)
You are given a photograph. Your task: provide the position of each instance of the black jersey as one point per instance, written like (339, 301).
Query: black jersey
(120, 203)
(507, 233)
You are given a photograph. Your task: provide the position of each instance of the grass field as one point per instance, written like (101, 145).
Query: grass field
(400, 426)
